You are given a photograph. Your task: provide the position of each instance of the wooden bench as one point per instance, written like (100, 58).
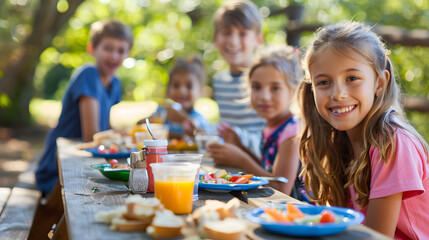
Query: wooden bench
(17, 215)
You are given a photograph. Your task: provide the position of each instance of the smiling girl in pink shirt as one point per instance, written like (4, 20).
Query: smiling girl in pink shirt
(358, 148)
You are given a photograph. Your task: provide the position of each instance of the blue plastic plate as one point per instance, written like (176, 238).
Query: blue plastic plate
(114, 174)
(214, 187)
(96, 153)
(348, 216)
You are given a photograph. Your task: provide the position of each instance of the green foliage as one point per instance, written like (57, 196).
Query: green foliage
(166, 29)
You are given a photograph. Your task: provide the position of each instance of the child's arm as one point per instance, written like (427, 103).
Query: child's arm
(286, 165)
(89, 109)
(230, 136)
(383, 213)
(231, 155)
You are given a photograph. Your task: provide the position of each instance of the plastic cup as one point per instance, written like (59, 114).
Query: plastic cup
(160, 130)
(186, 158)
(204, 139)
(174, 184)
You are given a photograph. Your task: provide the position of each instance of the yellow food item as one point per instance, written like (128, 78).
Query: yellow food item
(137, 128)
(220, 173)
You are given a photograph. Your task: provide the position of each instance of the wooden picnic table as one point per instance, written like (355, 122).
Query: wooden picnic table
(81, 203)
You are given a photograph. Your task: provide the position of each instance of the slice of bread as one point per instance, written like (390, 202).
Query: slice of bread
(158, 232)
(139, 208)
(124, 225)
(166, 225)
(228, 229)
(108, 215)
(225, 210)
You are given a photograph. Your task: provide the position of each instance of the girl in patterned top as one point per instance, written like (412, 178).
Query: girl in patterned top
(273, 77)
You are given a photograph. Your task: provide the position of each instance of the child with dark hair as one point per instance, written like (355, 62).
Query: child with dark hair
(92, 91)
(186, 81)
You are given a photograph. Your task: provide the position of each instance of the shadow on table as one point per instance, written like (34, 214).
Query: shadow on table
(261, 192)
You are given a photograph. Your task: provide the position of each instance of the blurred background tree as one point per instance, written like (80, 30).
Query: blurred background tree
(43, 41)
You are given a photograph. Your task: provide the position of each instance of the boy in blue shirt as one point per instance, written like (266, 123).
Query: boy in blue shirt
(92, 91)
(237, 35)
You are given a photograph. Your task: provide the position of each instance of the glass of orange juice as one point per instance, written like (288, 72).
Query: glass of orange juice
(189, 158)
(174, 185)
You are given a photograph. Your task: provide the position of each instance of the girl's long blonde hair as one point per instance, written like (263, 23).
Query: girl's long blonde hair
(326, 153)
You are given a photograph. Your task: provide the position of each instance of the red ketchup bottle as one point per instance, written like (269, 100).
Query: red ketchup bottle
(154, 149)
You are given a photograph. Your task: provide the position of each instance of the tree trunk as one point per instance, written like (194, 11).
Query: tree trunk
(17, 82)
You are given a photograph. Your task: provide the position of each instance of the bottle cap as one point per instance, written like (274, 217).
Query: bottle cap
(137, 160)
(156, 143)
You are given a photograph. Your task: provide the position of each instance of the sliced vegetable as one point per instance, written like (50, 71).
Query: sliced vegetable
(293, 212)
(248, 176)
(234, 178)
(101, 149)
(113, 163)
(221, 173)
(327, 216)
(113, 148)
(241, 180)
(209, 178)
(276, 215)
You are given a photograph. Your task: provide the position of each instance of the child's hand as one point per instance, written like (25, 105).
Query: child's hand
(175, 115)
(226, 154)
(228, 134)
(189, 128)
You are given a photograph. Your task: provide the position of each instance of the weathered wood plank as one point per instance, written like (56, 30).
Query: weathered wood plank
(4, 195)
(263, 197)
(17, 216)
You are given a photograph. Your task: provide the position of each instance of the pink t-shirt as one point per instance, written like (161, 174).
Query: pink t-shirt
(408, 173)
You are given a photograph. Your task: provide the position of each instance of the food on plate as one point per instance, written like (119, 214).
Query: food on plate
(136, 215)
(109, 141)
(113, 163)
(292, 214)
(112, 149)
(222, 177)
(181, 145)
(109, 136)
(227, 229)
(209, 219)
(166, 225)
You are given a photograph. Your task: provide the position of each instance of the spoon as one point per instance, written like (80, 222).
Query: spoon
(150, 130)
(278, 179)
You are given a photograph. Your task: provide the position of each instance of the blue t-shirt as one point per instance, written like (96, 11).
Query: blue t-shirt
(84, 82)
